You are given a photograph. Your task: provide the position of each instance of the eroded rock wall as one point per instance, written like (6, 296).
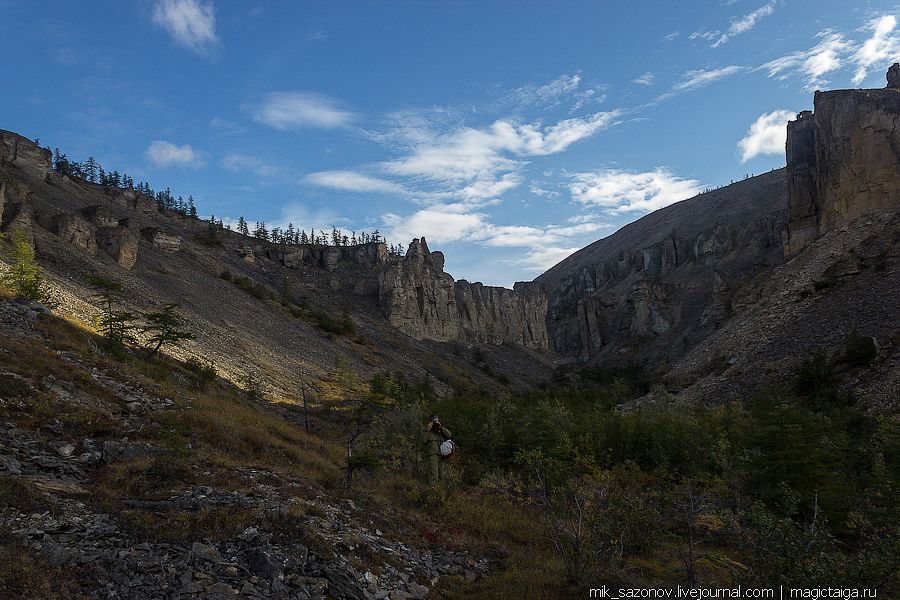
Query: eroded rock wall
(843, 160)
(421, 300)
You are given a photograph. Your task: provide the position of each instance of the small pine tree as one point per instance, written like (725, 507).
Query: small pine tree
(24, 276)
(163, 328)
(116, 325)
(242, 227)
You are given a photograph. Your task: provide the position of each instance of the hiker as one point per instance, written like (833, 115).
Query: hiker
(432, 437)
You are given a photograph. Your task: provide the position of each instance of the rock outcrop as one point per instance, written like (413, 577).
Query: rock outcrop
(101, 216)
(23, 153)
(667, 278)
(120, 243)
(74, 230)
(167, 241)
(421, 300)
(843, 160)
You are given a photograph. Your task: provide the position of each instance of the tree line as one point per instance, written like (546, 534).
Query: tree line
(91, 170)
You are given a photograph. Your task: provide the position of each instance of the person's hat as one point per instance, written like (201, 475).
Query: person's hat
(432, 418)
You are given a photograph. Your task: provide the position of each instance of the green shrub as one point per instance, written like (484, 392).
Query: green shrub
(204, 372)
(859, 350)
(226, 275)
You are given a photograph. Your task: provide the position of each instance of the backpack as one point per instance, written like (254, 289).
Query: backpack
(448, 449)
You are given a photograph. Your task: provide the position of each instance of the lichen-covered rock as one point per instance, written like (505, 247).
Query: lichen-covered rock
(76, 231)
(121, 243)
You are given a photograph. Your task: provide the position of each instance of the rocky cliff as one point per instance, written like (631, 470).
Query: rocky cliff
(666, 281)
(419, 299)
(843, 160)
(397, 302)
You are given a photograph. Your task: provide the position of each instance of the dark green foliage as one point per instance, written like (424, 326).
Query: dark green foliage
(797, 452)
(859, 350)
(163, 327)
(24, 276)
(211, 238)
(259, 290)
(204, 372)
(818, 384)
(243, 283)
(286, 293)
(226, 275)
(116, 325)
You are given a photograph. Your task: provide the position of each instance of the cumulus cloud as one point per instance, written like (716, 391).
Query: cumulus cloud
(165, 154)
(438, 225)
(300, 110)
(352, 182)
(766, 135)
(881, 47)
(244, 162)
(190, 22)
(616, 191)
(470, 153)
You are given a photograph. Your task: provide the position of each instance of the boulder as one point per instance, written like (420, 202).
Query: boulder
(120, 243)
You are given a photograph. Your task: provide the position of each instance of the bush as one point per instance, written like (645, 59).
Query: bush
(226, 275)
(859, 349)
(204, 372)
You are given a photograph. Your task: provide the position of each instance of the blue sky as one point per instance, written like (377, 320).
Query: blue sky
(509, 134)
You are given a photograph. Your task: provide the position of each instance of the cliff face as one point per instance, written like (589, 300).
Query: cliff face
(419, 299)
(666, 281)
(842, 161)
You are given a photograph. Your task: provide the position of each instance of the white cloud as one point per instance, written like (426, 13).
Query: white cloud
(165, 154)
(541, 259)
(469, 154)
(226, 127)
(190, 22)
(646, 79)
(617, 191)
(745, 23)
(766, 135)
(352, 182)
(244, 162)
(814, 63)
(547, 95)
(882, 47)
(435, 224)
(298, 110)
(699, 78)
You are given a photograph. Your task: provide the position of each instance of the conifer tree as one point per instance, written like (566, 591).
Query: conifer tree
(115, 324)
(164, 328)
(192, 210)
(242, 227)
(90, 169)
(24, 277)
